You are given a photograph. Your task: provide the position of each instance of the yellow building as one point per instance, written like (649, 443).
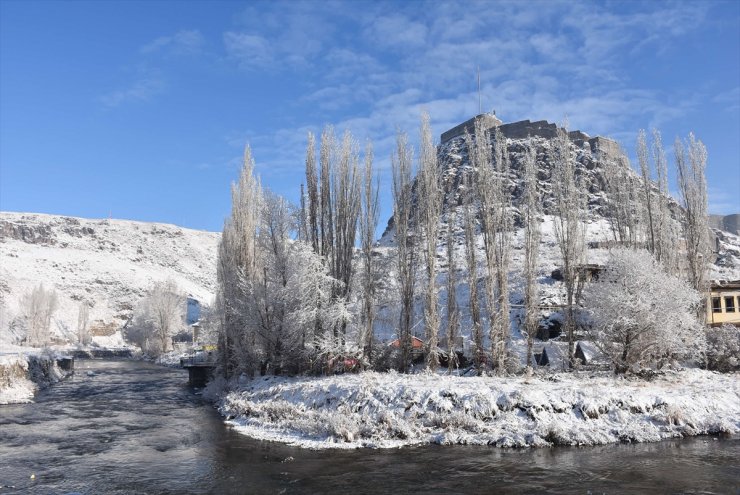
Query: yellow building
(723, 304)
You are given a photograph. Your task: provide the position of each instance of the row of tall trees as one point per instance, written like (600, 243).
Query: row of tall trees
(286, 274)
(297, 285)
(643, 213)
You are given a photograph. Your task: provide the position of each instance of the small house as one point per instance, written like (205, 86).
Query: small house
(417, 347)
(416, 344)
(723, 303)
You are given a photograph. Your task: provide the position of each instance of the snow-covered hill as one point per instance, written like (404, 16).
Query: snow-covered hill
(110, 264)
(592, 155)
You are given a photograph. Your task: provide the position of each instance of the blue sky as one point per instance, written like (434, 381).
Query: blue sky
(141, 109)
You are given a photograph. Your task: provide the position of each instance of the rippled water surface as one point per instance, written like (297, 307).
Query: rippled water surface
(131, 427)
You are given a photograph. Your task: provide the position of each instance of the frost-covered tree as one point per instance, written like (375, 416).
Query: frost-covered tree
(691, 161)
(209, 322)
(157, 317)
(492, 166)
(471, 262)
(237, 269)
(38, 307)
(430, 207)
(666, 236)
(530, 208)
(333, 212)
(309, 298)
(368, 225)
(83, 323)
(268, 305)
(167, 306)
(641, 316)
(453, 310)
(568, 192)
(650, 221)
(723, 348)
(312, 186)
(347, 204)
(502, 249)
(623, 198)
(403, 214)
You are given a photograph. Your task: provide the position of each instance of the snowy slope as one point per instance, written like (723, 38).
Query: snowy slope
(108, 263)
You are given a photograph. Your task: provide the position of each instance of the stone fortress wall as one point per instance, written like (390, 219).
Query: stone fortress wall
(525, 128)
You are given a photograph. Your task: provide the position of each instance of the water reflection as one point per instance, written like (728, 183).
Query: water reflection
(131, 427)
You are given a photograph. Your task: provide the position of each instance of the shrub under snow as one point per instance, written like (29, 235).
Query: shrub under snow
(723, 348)
(389, 409)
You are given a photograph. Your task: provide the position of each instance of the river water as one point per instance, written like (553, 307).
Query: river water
(132, 427)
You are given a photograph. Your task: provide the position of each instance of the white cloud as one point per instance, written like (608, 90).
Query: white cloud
(140, 90)
(250, 50)
(182, 42)
(730, 99)
(397, 31)
(276, 37)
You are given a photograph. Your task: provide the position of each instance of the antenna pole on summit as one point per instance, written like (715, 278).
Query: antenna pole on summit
(480, 107)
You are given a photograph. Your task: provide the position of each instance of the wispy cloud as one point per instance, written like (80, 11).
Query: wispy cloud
(397, 31)
(730, 99)
(140, 90)
(182, 42)
(250, 50)
(278, 38)
(151, 80)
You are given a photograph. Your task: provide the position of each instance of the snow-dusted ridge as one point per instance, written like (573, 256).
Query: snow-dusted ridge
(384, 410)
(110, 264)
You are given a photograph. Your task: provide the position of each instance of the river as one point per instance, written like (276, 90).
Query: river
(132, 427)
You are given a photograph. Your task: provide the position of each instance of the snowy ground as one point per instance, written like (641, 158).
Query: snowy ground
(15, 387)
(383, 410)
(24, 370)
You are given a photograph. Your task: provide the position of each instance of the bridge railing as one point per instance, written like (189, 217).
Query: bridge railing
(198, 359)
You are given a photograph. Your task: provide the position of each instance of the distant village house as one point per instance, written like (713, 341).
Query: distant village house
(723, 303)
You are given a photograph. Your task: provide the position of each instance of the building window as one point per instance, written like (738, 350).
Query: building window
(716, 305)
(730, 304)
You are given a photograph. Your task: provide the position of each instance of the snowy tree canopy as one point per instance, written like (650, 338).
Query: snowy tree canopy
(641, 316)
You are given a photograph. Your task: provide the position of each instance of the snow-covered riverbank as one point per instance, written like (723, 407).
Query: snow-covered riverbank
(23, 374)
(392, 410)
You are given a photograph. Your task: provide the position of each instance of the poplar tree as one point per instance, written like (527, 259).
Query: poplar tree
(691, 160)
(453, 311)
(368, 224)
(502, 248)
(647, 199)
(569, 227)
(236, 271)
(666, 235)
(402, 163)
(531, 212)
(334, 204)
(430, 207)
(471, 255)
